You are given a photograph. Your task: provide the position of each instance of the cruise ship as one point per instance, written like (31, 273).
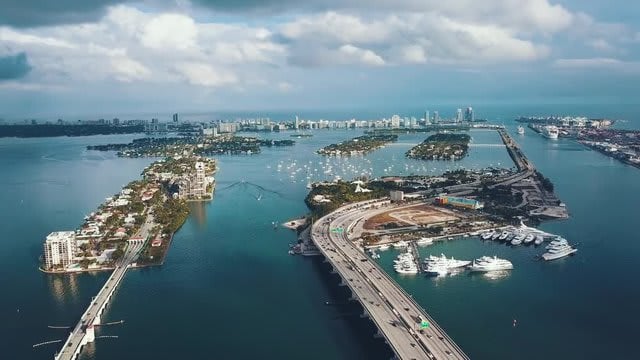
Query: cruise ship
(550, 131)
(487, 263)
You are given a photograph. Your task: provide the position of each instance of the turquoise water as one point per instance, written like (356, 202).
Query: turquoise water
(229, 290)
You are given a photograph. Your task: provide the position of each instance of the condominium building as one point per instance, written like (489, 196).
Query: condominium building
(59, 249)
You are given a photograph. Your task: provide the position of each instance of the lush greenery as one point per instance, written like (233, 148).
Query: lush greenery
(168, 146)
(49, 130)
(547, 185)
(360, 145)
(343, 192)
(171, 214)
(441, 146)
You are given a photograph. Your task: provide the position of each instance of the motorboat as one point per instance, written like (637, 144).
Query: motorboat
(529, 238)
(539, 240)
(424, 241)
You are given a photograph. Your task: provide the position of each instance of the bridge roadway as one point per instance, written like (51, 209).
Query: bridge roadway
(83, 332)
(392, 310)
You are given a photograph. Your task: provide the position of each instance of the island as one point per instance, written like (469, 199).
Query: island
(144, 214)
(358, 145)
(201, 145)
(441, 146)
(51, 130)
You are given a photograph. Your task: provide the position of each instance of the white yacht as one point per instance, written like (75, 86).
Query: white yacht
(557, 243)
(558, 252)
(518, 239)
(529, 238)
(406, 268)
(436, 262)
(496, 235)
(539, 240)
(550, 131)
(436, 269)
(520, 130)
(487, 263)
(383, 247)
(400, 244)
(424, 241)
(487, 235)
(504, 235)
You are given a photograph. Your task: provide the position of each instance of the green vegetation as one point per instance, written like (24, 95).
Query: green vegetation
(49, 130)
(546, 183)
(172, 214)
(343, 192)
(359, 145)
(172, 146)
(441, 146)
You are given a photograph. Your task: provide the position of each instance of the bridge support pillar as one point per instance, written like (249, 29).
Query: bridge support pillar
(96, 320)
(353, 298)
(89, 335)
(364, 315)
(378, 335)
(342, 283)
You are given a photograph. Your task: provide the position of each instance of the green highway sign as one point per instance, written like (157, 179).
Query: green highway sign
(424, 324)
(337, 230)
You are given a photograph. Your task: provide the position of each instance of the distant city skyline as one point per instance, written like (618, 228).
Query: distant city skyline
(139, 56)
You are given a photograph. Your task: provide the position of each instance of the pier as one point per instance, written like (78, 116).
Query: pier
(405, 326)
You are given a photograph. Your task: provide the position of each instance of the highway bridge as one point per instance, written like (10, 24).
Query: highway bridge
(84, 331)
(397, 316)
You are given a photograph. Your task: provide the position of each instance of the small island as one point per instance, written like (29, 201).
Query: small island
(358, 145)
(441, 146)
(158, 147)
(145, 213)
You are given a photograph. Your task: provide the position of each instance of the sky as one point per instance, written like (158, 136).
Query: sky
(108, 56)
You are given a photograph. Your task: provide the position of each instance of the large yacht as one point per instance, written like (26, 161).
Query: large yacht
(558, 252)
(539, 240)
(405, 263)
(520, 130)
(424, 241)
(529, 238)
(437, 264)
(487, 263)
(504, 235)
(551, 131)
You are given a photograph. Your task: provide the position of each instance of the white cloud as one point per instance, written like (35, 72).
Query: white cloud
(11, 36)
(601, 45)
(127, 69)
(354, 55)
(170, 32)
(205, 75)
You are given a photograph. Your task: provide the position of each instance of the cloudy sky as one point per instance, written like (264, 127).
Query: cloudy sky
(69, 57)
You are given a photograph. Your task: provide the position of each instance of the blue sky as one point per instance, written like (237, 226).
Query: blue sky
(110, 56)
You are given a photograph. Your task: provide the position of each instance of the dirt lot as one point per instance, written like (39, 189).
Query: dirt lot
(415, 215)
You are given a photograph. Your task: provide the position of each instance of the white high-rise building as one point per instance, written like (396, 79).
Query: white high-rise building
(459, 115)
(199, 187)
(59, 249)
(468, 115)
(297, 123)
(395, 121)
(436, 117)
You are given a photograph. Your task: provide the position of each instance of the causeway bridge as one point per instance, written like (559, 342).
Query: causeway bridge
(84, 331)
(394, 312)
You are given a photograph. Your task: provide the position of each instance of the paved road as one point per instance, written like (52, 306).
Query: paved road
(74, 341)
(395, 313)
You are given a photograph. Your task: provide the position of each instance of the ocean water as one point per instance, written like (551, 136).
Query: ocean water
(229, 290)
